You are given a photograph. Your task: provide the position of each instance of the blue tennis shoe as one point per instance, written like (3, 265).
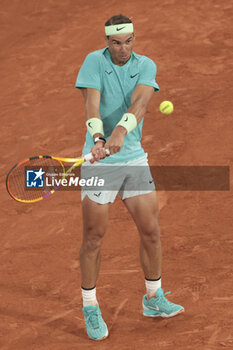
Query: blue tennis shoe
(160, 306)
(95, 325)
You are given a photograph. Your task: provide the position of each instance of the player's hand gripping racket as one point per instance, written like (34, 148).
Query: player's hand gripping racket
(26, 190)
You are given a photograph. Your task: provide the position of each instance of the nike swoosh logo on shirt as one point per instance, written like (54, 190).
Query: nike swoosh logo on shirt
(132, 76)
(108, 72)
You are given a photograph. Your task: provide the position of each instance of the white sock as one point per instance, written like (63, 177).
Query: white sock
(152, 287)
(89, 297)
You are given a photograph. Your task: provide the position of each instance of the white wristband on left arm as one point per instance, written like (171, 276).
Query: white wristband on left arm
(128, 121)
(95, 126)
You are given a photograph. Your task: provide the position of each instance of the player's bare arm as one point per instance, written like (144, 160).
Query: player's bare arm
(92, 102)
(139, 101)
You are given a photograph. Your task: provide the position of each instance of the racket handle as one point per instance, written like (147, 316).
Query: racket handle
(89, 156)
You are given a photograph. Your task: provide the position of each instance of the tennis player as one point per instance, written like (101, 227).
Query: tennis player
(117, 85)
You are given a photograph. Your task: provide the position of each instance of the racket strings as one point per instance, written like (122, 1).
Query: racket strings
(26, 182)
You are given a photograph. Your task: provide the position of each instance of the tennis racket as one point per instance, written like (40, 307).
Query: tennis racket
(25, 181)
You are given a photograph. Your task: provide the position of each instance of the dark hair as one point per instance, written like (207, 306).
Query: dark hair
(118, 19)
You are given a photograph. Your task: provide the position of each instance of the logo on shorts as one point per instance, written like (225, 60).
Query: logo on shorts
(120, 28)
(35, 178)
(97, 194)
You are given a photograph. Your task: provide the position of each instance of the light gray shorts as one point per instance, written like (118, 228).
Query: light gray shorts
(129, 179)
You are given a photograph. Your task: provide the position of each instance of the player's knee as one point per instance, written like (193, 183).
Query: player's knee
(151, 234)
(92, 239)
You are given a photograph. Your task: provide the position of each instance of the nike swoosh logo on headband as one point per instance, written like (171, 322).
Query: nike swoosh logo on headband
(120, 28)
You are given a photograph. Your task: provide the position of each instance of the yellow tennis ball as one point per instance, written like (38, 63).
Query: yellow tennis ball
(166, 107)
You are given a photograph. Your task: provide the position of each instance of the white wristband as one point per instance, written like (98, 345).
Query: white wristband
(95, 126)
(128, 121)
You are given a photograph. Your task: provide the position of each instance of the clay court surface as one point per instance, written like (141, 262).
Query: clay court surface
(43, 44)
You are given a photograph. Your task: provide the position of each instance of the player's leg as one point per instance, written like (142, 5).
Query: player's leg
(95, 206)
(95, 218)
(144, 210)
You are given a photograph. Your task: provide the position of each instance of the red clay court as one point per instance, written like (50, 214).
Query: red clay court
(43, 44)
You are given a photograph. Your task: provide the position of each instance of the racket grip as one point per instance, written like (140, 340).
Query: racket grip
(89, 156)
